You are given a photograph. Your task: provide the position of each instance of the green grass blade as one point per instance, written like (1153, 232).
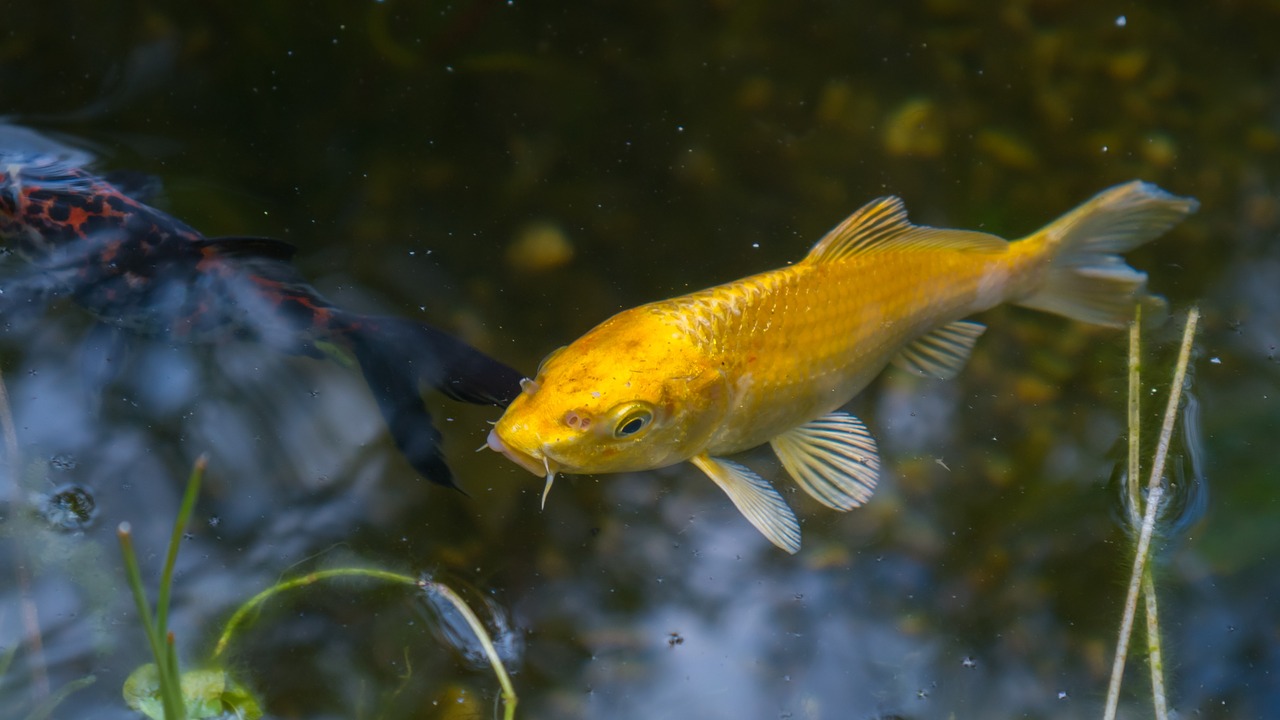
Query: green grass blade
(175, 541)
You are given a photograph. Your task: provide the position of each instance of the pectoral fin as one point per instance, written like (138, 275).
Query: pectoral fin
(833, 459)
(942, 353)
(756, 499)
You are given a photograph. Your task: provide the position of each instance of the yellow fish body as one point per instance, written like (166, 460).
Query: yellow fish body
(772, 357)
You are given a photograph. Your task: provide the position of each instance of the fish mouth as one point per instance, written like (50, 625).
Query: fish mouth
(543, 465)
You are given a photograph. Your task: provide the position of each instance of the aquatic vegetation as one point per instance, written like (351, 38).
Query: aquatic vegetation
(1140, 580)
(161, 692)
(198, 694)
(431, 588)
(158, 690)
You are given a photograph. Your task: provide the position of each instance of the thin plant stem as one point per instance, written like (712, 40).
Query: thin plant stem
(1155, 657)
(1175, 399)
(166, 667)
(175, 540)
(301, 581)
(1135, 413)
(45, 709)
(508, 690)
(1131, 602)
(1155, 491)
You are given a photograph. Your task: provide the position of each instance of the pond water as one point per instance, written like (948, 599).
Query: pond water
(516, 173)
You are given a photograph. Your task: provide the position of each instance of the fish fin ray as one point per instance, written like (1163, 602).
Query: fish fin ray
(833, 458)
(942, 353)
(1087, 279)
(882, 225)
(756, 499)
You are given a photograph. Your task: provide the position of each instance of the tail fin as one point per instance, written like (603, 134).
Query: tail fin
(398, 356)
(1087, 279)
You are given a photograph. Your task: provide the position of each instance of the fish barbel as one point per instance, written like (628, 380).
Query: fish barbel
(772, 357)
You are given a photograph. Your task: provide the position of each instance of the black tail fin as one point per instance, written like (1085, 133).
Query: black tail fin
(398, 356)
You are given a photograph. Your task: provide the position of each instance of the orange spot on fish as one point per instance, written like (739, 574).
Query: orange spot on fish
(78, 218)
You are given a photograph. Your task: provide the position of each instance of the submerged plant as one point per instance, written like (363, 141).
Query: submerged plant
(158, 690)
(1143, 518)
(433, 589)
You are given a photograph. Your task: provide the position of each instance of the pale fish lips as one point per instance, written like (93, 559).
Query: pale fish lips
(535, 465)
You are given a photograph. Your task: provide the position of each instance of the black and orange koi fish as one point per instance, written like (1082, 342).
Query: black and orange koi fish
(140, 269)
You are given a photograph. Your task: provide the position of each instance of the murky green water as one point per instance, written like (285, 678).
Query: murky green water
(517, 173)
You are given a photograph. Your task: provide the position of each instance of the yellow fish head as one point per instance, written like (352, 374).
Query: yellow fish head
(630, 395)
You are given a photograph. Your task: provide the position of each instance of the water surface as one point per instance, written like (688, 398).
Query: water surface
(411, 151)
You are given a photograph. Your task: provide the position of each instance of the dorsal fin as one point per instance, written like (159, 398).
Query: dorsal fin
(882, 225)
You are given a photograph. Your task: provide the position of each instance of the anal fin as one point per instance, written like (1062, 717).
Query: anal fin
(833, 458)
(756, 499)
(942, 353)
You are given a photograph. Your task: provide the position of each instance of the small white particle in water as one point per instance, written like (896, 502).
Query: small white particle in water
(1062, 695)
(1104, 148)
(1216, 361)
(679, 128)
(1121, 21)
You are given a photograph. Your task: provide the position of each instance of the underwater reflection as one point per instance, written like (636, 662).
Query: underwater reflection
(140, 270)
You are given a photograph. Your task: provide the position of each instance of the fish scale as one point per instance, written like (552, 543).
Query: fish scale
(850, 316)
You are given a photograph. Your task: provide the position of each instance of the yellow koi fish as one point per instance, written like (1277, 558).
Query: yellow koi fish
(772, 357)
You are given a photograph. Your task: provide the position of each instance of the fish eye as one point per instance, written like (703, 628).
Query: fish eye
(632, 423)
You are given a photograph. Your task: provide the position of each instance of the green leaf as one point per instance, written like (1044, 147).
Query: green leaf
(142, 691)
(210, 693)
